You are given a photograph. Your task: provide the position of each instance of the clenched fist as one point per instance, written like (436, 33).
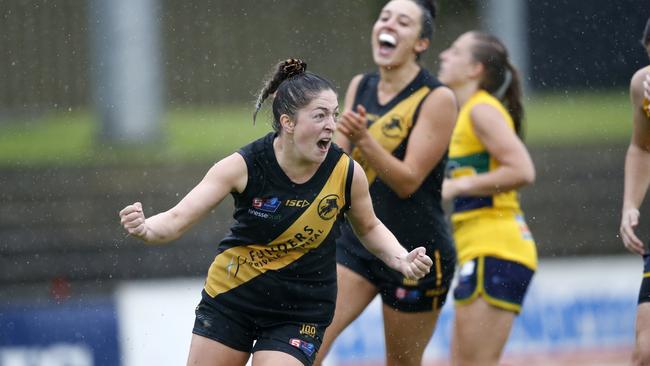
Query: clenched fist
(415, 264)
(133, 220)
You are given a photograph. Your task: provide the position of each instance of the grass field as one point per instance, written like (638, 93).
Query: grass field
(578, 119)
(206, 134)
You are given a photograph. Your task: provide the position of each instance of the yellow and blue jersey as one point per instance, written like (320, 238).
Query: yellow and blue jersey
(485, 225)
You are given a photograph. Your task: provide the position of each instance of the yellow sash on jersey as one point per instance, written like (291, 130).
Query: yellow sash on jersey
(391, 129)
(238, 265)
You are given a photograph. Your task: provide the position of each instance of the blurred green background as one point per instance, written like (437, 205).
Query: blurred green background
(78, 76)
(214, 54)
(208, 133)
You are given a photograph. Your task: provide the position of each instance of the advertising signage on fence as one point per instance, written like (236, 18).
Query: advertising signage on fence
(82, 333)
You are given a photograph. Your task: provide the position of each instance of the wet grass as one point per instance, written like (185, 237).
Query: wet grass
(578, 119)
(73, 138)
(207, 134)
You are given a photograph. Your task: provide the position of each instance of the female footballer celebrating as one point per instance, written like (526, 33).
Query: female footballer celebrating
(271, 289)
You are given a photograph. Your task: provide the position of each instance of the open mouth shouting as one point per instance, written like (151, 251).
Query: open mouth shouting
(387, 43)
(324, 144)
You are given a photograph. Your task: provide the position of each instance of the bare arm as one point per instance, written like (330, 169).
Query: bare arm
(515, 169)
(377, 238)
(225, 176)
(637, 166)
(427, 143)
(350, 94)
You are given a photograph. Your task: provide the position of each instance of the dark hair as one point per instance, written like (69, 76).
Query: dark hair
(500, 78)
(293, 88)
(429, 12)
(645, 40)
(428, 9)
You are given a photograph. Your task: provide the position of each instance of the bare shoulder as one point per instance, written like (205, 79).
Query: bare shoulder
(354, 85)
(359, 175)
(639, 75)
(483, 111)
(359, 179)
(636, 85)
(234, 161)
(355, 80)
(440, 104)
(231, 170)
(351, 93)
(442, 95)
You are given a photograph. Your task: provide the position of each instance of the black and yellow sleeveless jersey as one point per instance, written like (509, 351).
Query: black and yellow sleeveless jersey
(419, 219)
(278, 261)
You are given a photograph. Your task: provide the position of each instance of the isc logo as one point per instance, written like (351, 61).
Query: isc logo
(297, 203)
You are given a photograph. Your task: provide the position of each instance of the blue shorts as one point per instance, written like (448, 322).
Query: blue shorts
(426, 294)
(502, 283)
(239, 330)
(644, 292)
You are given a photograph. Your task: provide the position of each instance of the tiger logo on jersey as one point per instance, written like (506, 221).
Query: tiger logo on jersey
(329, 207)
(393, 127)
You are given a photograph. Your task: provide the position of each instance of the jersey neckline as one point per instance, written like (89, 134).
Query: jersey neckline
(281, 174)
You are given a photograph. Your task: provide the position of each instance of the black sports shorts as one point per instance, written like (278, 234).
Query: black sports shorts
(426, 294)
(246, 333)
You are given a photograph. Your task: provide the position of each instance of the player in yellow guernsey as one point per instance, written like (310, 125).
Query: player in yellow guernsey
(637, 180)
(271, 289)
(487, 163)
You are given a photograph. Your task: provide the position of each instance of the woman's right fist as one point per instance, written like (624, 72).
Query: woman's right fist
(133, 221)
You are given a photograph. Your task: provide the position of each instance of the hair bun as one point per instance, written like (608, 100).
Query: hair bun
(293, 67)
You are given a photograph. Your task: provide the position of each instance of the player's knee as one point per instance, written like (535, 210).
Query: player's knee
(477, 359)
(403, 358)
(397, 360)
(641, 356)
